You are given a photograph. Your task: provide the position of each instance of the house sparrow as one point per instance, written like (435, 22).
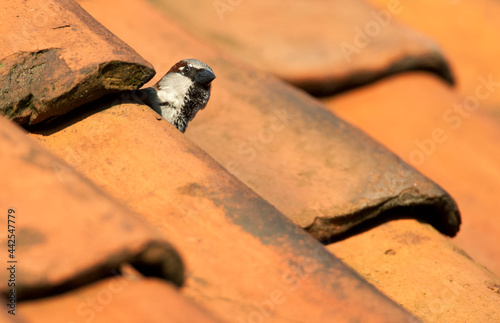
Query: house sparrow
(181, 93)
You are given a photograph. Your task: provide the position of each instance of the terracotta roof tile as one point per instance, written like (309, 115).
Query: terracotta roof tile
(331, 176)
(117, 299)
(70, 233)
(424, 272)
(322, 46)
(467, 31)
(457, 149)
(56, 57)
(244, 259)
(279, 137)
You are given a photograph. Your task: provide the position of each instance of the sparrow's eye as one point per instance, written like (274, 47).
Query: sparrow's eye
(186, 69)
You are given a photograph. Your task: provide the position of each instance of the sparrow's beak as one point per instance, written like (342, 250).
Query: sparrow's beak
(204, 77)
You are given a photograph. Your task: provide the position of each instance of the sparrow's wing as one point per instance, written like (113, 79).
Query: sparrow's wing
(150, 97)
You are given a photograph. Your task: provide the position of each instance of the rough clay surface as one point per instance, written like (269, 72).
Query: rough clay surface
(69, 232)
(56, 57)
(324, 47)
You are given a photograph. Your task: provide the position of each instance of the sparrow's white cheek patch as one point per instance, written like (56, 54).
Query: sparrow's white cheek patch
(173, 88)
(169, 113)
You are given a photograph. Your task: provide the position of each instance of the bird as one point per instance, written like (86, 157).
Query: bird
(181, 93)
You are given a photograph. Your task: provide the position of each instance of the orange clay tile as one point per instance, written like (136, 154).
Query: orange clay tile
(5, 317)
(321, 46)
(67, 232)
(424, 272)
(55, 57)
(316, 169)
(467, 31)
(244, 260)
(323, 173)
(117, 299)
(432, 127)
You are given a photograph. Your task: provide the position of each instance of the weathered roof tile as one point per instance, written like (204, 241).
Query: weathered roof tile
(455, 146)
(467, 162)
(56, 57)
(269, 134)
(467, 31)
(244, 258)
(69, 232)
(323, 46)
(117, 299)
(423, 271)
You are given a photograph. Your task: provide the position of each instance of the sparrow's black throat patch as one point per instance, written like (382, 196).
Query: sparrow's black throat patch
(195, 100)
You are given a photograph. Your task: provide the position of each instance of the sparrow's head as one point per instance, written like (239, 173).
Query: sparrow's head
(184, 90)
(195, 70)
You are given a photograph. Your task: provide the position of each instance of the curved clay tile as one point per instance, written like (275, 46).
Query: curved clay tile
(68, 232)
(324, 174)
(443, 137)
(245, 260)
(321, 46)
(118, 299)
(55, 57)
(467, 31)
(423, 271)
